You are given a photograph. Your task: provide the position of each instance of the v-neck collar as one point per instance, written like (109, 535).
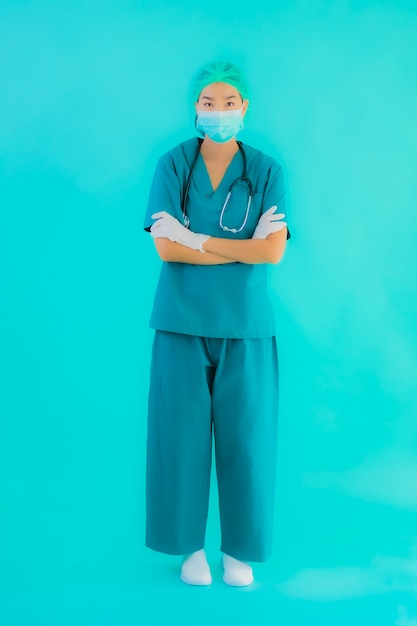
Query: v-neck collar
(212, 190)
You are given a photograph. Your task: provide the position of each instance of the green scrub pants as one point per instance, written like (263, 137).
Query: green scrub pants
(199, 386)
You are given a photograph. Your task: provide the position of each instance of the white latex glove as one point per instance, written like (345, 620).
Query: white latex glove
(169, 227)
(269, 222)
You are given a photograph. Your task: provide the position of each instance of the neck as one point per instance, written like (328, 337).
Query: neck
(212, 150)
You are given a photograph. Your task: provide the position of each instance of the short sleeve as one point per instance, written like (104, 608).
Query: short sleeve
(274, 192)
(165, 192)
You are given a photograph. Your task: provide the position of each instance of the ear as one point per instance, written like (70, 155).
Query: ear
(245, 105)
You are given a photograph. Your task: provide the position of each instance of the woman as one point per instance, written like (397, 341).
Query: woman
(212, 212)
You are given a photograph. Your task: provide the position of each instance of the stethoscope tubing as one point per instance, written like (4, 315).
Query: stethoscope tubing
(235, 182)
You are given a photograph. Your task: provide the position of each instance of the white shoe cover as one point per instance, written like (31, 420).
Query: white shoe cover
(236, 573)
(195, 570)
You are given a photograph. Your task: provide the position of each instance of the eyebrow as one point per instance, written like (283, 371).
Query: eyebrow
(225, 98)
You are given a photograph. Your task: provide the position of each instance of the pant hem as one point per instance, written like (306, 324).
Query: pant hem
(173, 551)
(242, 556)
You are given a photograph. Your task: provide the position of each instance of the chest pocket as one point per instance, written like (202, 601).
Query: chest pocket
(234, 215)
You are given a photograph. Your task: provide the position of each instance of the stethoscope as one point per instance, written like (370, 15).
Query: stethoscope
(244, 178)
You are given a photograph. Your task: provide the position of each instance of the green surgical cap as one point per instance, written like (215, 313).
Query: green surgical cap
(220, 72)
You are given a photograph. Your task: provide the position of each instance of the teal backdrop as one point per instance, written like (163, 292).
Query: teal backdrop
(91, 94)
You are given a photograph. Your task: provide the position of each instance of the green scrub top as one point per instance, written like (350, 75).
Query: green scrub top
(231, 300)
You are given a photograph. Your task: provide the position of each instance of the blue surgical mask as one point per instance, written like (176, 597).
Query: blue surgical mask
(220, 126)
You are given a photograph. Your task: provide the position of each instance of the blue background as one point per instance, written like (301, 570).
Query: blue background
(92, 93)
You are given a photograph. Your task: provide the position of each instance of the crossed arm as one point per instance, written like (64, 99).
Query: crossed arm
(219, 251)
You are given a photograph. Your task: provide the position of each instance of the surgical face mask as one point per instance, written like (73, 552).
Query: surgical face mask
(220, 126)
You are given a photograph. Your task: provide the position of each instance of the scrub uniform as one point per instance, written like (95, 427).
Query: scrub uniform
(214, 367)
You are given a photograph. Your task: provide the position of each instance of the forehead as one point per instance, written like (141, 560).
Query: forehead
(219, 90)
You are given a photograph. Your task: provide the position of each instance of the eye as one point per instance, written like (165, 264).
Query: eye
(230, 104)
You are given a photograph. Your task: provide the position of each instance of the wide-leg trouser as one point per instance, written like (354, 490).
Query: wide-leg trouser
(199, 386)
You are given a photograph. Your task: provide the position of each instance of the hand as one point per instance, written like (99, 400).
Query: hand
(269, 223)
(169, 227)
